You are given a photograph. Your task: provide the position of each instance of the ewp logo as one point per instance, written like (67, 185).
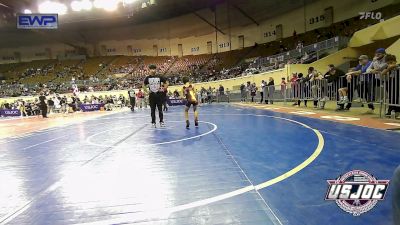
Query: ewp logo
(37, 21)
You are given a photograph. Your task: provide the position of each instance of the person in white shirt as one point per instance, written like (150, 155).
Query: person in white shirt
(262, 86)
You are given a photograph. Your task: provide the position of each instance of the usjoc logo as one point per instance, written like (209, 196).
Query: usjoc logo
(356, 192)
(91, 107)
(37, 21)
(11, 112)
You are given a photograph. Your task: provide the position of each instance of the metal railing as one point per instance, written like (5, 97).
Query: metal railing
(316, 48)
(370, 89)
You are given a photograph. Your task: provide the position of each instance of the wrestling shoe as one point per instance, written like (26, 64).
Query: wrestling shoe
(196, 123)
(162, 124)
(153, 125)
(187, 124)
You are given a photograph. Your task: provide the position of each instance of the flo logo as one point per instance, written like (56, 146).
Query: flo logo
(371, 15)
(356, 192)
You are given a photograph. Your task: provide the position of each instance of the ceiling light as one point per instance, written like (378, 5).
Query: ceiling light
(86, 5)
(81, 5)
(125, 2)
(53, 7)
(108, 5)
(76, 6)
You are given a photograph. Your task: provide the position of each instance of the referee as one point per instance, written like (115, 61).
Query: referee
(43, 105)
(157, 84)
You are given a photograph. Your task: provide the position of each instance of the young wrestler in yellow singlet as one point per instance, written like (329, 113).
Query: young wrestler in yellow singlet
(190, 94)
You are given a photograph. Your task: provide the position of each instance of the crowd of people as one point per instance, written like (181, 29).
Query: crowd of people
(369, 80)
(55, 103)
(363, 80)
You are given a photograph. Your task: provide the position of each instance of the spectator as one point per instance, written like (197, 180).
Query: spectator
(263, 84)
(243, 93)
(293, 86)
(392, 80)
(364, 84)
(338, 79)
(209, 95)
(253, 91)
(22, 108)
(132, 99)
(283, 87)
(316, 85)
(221, 90)
(50, 104)
(140, 98)
(271, 90)
(377, 65)
(176, 94)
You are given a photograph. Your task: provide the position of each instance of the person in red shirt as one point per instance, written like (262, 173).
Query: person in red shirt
(140, 98)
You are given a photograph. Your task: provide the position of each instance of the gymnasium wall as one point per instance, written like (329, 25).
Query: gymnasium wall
(302, 19)
(394, 49)
(195, 33)
(27, 54)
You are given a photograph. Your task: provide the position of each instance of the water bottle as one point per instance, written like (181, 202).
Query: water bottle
(393, 114)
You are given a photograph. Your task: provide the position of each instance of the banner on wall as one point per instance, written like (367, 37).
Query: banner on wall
(91, 107)
(176, 101)
(10, 112)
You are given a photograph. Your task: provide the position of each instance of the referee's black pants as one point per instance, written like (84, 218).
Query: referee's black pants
(156, 100)
(132, 100)
(43, 109)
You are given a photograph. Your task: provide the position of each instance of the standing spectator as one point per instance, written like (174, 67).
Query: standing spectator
(248, 88)
(271, 90)
(22, 109)
(364, 85)
(377, 65)
(294, 87)
(132, 99)
(392, 79)
(50, 103)
(221, 90)
(315, 87)
(253, 91)
(209, 95)
(263, 83)
(283, 87)
(299, 88)
(338, 79)
(176, 94)
(243, 93)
